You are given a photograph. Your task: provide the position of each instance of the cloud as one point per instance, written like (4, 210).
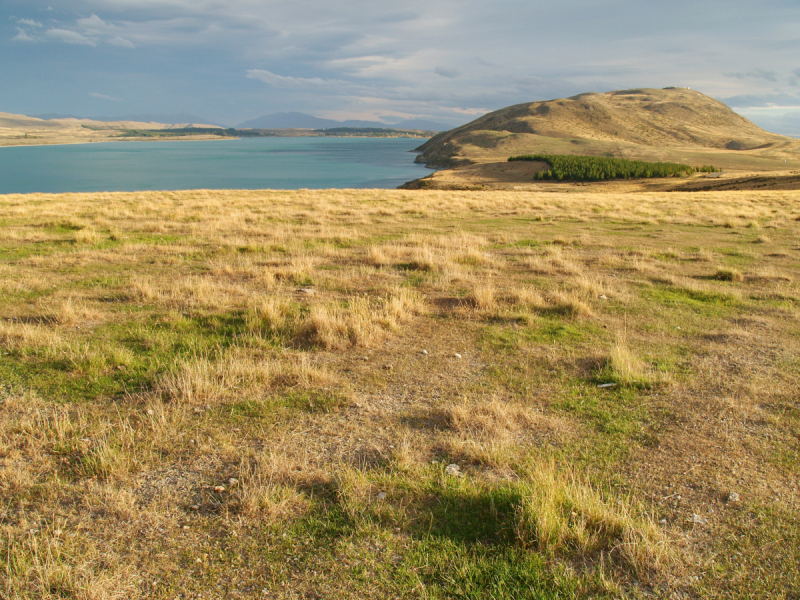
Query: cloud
(22, 36)
(417, 58)
(448, 73)
(122, 42)
(753, 101)
(87, 31)
(26, 30)
(104, 97)
(762, 74)
(282, 81)
(95, 26)
(69, 37)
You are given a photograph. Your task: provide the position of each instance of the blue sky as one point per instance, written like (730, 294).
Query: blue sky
(449, 61)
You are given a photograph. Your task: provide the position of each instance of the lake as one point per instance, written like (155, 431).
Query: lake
(249, 163)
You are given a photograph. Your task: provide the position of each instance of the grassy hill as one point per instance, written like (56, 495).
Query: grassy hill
(672, 124)
(18, 130)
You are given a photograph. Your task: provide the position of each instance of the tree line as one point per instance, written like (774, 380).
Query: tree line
(600, 168)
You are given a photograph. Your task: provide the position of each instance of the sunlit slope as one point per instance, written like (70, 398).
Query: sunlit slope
(649, 124)
(16, 130)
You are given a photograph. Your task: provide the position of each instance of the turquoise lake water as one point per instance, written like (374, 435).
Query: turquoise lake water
(250, 163)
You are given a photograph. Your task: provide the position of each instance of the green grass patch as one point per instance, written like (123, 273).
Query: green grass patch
(701, 301)
(617, 413)
(539, 330)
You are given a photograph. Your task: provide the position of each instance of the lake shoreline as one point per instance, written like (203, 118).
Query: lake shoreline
(17, 142)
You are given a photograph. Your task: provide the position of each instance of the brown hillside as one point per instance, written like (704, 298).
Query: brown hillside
(17, 130)
(647, 124)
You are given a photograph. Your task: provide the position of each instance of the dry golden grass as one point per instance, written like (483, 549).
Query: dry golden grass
(188, 377)
(561, 514)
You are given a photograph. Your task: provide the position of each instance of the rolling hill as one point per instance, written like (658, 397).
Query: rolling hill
(674, 124)
(16, 130)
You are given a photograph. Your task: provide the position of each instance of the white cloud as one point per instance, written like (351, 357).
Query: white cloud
(22, 36)
(88, 31)
(120, 41)
(282, 81)
(104, 97)
(94, 25)
(69, 37)
(29, 23)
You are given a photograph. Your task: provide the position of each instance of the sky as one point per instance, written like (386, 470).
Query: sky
(443, 60)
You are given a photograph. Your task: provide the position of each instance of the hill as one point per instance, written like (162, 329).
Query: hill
(673, 124)
(16, 130)
(140, 118)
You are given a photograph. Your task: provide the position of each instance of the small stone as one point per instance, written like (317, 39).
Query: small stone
(733, 497)
(381, 495)
(151, 412)
(219, 488)
(195, 507)
(456, 355)
(425, 352)
(232, 481)
(186, 528)
(663, 522)
(453, 469)
(603, 297)
(699, 520)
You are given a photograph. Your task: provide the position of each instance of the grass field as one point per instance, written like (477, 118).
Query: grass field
(364, 394)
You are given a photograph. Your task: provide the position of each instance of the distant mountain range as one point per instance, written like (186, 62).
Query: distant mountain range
(281, 120)
(146, 118)
(296, 120)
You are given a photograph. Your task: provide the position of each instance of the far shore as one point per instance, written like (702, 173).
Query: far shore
(39, 142)
(60, 137)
